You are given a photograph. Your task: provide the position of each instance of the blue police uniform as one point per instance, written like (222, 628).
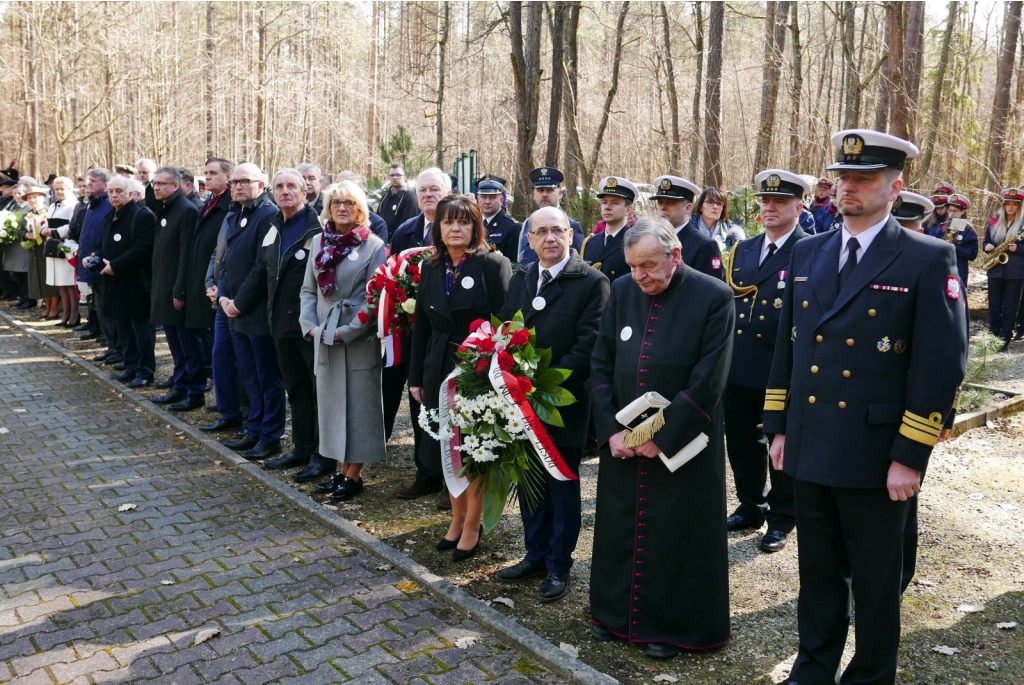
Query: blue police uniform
(546, 177)
(502, 230)
(604, 251)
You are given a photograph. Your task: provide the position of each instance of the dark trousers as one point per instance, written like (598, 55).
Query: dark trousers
(552, 528)
(1004, 297)
(137, 338)
(392, 381)
(206, 338)
(261, 375)
(8, 287)
(295, 357)
(108, 326)
(187, 353)
(910, 543)
(849, 538)
(748, 456)
(21, 284)
(225, 370)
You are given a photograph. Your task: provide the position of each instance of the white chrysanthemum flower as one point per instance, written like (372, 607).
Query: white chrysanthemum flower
(489, 416)
(493, 401)
(409, 306)
(516, 426)
(482, 455)
(470, 442)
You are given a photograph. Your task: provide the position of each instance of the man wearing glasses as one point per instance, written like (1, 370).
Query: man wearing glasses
(398, 204)
(561, 297)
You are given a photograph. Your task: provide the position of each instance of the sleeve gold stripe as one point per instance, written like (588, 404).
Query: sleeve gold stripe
(918, 435)
(774, 405)
(772, 393)
(956, 400)
(933, 424)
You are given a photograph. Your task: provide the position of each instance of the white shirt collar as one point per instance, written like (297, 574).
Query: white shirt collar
(487, 219)
(778, 243)
(555, 270)
(864, 239)
(609, 234)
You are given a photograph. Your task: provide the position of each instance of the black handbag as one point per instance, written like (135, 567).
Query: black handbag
(51, 248)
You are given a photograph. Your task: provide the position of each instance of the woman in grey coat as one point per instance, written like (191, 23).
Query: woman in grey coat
(347, 358)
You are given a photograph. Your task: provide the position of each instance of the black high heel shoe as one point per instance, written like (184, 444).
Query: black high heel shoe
(463, 554)
(444, 544)
(331, 485)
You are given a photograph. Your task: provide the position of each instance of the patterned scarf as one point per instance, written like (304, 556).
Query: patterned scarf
(334, 247)
(211, 202)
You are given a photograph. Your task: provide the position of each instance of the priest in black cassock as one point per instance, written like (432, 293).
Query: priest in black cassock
(660, 573)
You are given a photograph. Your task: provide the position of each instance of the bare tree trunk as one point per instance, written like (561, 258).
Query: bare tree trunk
(595, 155)
(442, 50)
(1001, 101)
(371, 114)
(698, 49)
(260, 148)
(208, 80)
(796, 126)
(899, 114)
(713, 97)
(526, 73)
(775, 43)
(570, 106)
(882, 104)
(851, 79)
(558, 12)
(673, 98)
(913, 60)
(940, 79)
(33, 77)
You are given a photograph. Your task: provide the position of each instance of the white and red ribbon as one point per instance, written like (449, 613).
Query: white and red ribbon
(451, 452)
(394, 267)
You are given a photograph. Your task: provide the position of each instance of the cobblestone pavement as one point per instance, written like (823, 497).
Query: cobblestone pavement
(93, 594)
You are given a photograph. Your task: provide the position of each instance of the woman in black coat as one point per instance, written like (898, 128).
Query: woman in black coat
(1006, 281)
(461, 282)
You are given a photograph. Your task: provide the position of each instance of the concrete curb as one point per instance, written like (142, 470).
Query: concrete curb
(503, 627)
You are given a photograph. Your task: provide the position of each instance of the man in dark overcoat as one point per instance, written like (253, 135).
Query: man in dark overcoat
(561, 298)
(398, 204)
(283, 254)
(603, 251)
(857, 397)
(242, 297)
(675, 204)
(758, 275)
(176, 219)
(127, 253)
(660, 569)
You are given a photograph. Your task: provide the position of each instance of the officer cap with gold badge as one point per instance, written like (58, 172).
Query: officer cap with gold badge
(1013, 195)
(675, 188)
(864, 150)
(615, 186)
(911, 206)
(959, 202)
(826, 183)
(546, 177)
(489, 184)
(125, 169)
(781, 183)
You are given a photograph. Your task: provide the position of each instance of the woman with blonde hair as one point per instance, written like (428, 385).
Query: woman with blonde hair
(59, 273)
(1006, 281)
(346, 356)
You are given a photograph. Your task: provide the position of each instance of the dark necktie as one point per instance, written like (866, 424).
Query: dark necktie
(545, 278)
(772, 247)
(851, 262)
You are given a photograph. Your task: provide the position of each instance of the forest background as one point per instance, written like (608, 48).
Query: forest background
(709, 90)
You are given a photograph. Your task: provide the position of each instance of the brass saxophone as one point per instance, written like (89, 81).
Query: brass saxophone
(1000, 254)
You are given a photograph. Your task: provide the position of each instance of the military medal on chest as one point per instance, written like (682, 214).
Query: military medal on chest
(781, 285)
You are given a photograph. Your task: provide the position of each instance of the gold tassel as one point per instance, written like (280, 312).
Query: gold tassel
(645, 432)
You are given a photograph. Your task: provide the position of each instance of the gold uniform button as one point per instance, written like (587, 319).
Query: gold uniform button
(743, 316)
(806, 304)
(819, 338)
(759, 335)
(761, 318)
(842, 405)
(812, 399)
(814, 369)
(739, 332)
(764, 302)
(746, 299)
(849, 342)
(846, 374)
(871, 312)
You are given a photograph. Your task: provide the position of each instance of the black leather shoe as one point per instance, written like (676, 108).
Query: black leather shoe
(1005, 347)
(114, 359)
(661, 650)
(82, 327)
(773, 541)
(444, 501)
(463, 554)
(240, 433)
(348, 489)
(262, 450)
(189, 403)
(601, 634)
(123, 377)
(89, 335)
(243, 443)
(103, 357)
(737, 522)
(521, 571)
(288, 461)
(164, 385)
(220, 425)
(419, 488)
(140, 382)
(331, 485)
(314, 472)
(170, 398)
(553, 587)
(118, 366)
(444, 544)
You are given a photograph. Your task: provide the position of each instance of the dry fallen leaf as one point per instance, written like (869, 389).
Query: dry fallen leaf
(1009, 507)
(1009, 625)
(20, 411)
(384, 567)
(924, 583)
(4, 430)
(943, 649)
(971, 608)
(407, 586)
(167, 582)
(218, 463)
(331, 507)
(127, 507)
(466, 642)
(506, 601)
(571, 650)
(665, 678)
(976, 496)
(204, 635)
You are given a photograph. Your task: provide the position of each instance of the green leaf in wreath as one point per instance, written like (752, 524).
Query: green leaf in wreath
(545, 412)
(558, 397)
(518, 317)
(495, 495)
(502, 434)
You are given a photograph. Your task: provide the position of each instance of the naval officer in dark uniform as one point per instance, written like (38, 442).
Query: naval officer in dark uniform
(547, 192)
(757, 273)
(675, 203)
(858, 393)
(502, 230)
(603, 251)
(561, 298)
